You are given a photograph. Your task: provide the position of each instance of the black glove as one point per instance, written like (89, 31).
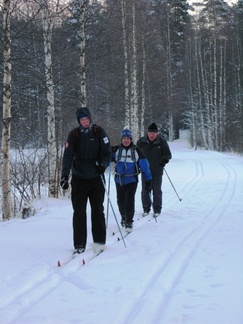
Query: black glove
(64, 183)
(114, 148)
(163, 163)
(148, 185)
(100, 168)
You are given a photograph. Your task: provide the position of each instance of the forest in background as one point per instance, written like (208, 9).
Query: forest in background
(131, 62)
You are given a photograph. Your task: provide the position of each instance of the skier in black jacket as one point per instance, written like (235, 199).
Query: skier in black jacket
(87, 154)
(158, 153)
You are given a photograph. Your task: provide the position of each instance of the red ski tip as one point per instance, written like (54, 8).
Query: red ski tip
(83, 262)
(58, 263)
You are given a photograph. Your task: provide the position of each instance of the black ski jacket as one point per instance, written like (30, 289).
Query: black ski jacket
(157, 153)
(84, 149)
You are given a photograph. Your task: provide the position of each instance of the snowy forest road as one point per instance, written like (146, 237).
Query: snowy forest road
(184, 268)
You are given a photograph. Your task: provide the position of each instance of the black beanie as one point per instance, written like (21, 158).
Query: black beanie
(153, 128)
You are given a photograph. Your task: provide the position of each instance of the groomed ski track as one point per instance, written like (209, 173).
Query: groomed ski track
(165, 273)
(173, 266)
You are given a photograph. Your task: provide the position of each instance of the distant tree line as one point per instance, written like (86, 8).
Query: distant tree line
(131, 61)
(188, 68)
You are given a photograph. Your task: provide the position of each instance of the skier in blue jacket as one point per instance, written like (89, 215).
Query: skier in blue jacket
(129, 162)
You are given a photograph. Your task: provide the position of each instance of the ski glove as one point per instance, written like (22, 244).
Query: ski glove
(163, 163)
(115, 148)
(148, 185)
(100, 168)
(64, 183)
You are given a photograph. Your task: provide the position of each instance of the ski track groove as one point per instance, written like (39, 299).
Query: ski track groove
(29, 294)
(191, 182)
(28, 299)
(46, 282)
(173, 266)
(38, 277)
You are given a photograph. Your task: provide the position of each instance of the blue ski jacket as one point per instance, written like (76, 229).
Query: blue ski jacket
(129, 162)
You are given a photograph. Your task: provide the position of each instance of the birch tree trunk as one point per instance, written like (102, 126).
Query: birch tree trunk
(141, 128)
(134, 86)
(48, 24)
(238, 97)
(82, 54)
(126, 72)
(205, 113)
(192, 104)
(222, 94)
(215, 96)
(169, 78)
(6, 128)
(200, 106)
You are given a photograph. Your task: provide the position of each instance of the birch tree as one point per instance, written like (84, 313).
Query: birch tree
(238, 68)
(192, 113)
(222, 94)
(213, 70)
(143, 105)
(6, 126)
(126, 73)
(83, 6)
(130, 68)
(48, 24)
(170, 77)
(134, 83)
(202, 88)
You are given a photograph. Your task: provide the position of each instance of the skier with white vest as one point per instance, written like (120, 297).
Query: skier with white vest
(129, 162)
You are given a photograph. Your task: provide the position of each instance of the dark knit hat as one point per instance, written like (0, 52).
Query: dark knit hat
(153, 128)
(82, 116)
(126, 133)
(83, 113)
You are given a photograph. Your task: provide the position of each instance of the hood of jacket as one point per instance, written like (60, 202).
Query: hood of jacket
(84, 111)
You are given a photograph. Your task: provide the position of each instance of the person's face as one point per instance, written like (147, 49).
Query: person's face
(126, 141)
(152, 136)
(84, 122)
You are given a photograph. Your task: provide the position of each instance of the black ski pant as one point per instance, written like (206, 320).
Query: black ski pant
(156, 193)
(126, 200)
(82, 190)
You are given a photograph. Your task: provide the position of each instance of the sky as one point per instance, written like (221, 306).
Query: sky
(185, 268)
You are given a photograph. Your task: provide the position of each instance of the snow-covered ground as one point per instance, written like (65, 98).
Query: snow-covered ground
(185, 268)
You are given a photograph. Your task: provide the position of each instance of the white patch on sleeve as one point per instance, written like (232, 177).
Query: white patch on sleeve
(106, 140)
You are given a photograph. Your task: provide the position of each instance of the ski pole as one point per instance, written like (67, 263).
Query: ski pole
(108, 196)
(109, 182)
(172, 185)
(150, 196)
